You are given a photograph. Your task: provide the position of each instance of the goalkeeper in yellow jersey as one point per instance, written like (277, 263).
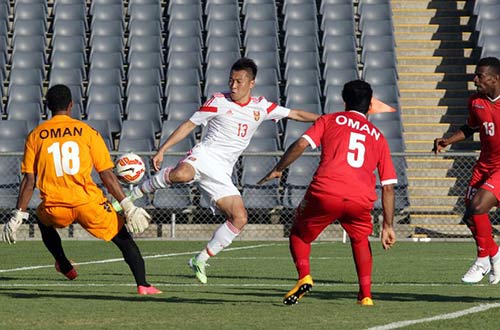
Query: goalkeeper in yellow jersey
(59, 156)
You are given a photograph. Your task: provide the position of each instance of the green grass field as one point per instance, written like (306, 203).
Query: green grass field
(412, 281)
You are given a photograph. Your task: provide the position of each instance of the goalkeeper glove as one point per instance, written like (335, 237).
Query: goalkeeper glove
(10, 228)
(136, 218)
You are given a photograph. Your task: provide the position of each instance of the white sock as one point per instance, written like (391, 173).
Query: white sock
(158, 181)
(496, 257)
(483, 261)
(223, 237)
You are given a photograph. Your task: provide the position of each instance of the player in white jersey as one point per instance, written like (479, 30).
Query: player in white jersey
(231, 119)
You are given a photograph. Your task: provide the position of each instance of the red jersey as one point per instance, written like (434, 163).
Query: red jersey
(351, 149)
(484, 115)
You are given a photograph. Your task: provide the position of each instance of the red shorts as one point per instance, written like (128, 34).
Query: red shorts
(317, 211)
(487, 180)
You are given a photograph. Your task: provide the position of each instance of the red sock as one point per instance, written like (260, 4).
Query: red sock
(362, 254)
(483, 236)
(300, 252)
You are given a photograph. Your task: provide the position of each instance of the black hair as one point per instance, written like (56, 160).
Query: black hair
(357, 95)
(58, 98)
(246, 64)
(492, 62)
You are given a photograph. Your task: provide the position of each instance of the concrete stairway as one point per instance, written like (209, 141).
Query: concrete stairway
(435, 73)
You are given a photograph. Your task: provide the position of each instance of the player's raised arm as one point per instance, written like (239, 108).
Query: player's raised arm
(291, 154)
(440, 143)
(179, 134)
(301, 115)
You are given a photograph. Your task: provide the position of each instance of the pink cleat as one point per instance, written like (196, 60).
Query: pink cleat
(71, 275)
(146, 290)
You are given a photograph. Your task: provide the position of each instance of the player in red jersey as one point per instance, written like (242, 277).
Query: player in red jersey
(483, 192)
(342, 188)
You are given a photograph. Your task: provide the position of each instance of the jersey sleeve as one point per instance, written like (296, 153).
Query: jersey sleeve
(385, 166)
(314, 133)
(207, 111)
(99, 152)
(275, 112)
(471, 119)
(28, 163)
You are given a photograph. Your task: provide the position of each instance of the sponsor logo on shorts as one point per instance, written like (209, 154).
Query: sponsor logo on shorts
(256, 115)
(107, 206)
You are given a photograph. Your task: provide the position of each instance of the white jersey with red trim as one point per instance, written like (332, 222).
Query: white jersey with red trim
(230, 126)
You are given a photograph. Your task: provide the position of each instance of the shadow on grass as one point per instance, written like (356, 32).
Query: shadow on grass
(44, 294)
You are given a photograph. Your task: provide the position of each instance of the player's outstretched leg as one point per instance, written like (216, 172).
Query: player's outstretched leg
(52, 241)
(134, 259)
(303, 286)
(223, 237)
(363, 260)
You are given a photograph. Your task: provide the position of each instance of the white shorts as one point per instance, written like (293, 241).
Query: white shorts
(212, 175)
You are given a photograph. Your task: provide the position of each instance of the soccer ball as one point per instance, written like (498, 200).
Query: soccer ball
(130, 168)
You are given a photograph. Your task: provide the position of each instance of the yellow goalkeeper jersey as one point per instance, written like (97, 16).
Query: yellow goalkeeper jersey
(61, 152)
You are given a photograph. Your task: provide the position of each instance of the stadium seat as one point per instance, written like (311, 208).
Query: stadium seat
(145, 111)
(104, 95)
(24, 94)
(185, 44)
(113, 60)
(102, 126)
(186, 60)
(110, 112)
(183, 94)
(181, 28)
(302, 77)
(222, 12)
(73, 28)
(138, 94)
(338, 28)
(69, 60)
(105, 77)
(135, 145)
(293, 131)
(259, 196)
(303, 95)
(262, 145)
(138, 129)
(176, 197)
(69, 44)
(25, 77)
(13, 129)
(267, 76)
(340, 60)
(302, 61)
(299, 176)
(302, 29)
(168, 127)
(182, 77)
(229, 44)
(380, 76)
(221, 60)
(30, 112)
(180, 111)
(270, 92)
(260, 29)
(265, 60)
(29, 60)
(338, 77)
(380, 60)
(12, 145)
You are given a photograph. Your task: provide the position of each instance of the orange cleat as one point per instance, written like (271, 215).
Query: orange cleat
(147, 290)
(366, 301)
(303, 286)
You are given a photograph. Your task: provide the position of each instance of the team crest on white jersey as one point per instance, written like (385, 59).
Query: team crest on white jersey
(229, 112)
(256, 115)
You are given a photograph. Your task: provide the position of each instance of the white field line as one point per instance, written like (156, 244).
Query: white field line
(156, 256)
(454, 315)
(267, 285)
